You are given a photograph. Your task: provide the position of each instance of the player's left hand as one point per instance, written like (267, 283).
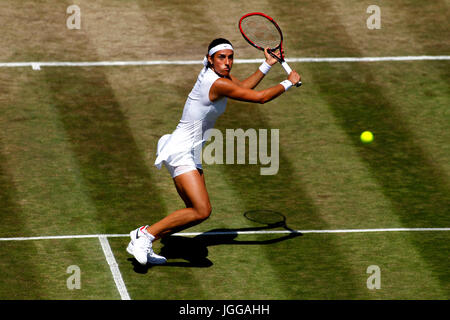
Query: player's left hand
(269, 59)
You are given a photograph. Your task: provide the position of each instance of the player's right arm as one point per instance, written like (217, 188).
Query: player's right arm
(226, 88)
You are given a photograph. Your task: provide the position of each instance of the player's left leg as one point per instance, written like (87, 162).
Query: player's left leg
(192, 189)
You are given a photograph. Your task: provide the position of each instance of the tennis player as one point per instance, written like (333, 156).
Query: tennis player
(179, 151)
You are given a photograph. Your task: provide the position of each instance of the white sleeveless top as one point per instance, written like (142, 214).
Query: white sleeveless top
(183, 146)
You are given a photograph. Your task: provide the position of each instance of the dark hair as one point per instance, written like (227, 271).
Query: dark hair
(214, 43)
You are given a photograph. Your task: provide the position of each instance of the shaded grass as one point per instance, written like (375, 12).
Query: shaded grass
(124, 192)
(52, 197)
(276, 192)
(279, 273)
(427, 23)
(46, 277)
(11, 220)
(113, 169)
(416, 186)
(408, 27)
(10, 212)
(295, 268)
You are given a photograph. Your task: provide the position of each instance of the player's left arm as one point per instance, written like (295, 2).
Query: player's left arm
(252, 81)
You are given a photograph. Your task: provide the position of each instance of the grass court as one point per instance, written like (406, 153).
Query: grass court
(77, 148)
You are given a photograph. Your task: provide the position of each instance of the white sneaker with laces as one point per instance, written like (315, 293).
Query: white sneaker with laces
(140, 247)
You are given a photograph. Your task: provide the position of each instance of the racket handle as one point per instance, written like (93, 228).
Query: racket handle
(286, 67)
(288, 71)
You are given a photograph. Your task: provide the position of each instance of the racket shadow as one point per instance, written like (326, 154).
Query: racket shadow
(194, 250)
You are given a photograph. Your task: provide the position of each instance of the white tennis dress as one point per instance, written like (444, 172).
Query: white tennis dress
(180, 151)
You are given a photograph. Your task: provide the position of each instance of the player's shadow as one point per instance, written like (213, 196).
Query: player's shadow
(194, 250)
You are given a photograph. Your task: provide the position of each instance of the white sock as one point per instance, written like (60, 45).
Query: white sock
(148, 234)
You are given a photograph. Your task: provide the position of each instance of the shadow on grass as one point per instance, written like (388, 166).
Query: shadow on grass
(195, 250)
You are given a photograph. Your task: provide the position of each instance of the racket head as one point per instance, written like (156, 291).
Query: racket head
(266, 217)
(261, 31)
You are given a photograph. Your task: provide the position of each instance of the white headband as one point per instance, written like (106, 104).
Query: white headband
(219, 47)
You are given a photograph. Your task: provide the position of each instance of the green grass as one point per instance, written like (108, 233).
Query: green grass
(299, 268)
(77, 148)
(38, 270)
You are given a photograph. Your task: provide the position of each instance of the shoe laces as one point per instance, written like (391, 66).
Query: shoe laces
(145, 243)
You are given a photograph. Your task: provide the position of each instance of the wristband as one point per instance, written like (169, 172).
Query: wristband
(286, 84)
(265, 67)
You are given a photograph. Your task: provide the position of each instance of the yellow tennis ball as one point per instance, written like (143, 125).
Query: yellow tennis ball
(366, 137)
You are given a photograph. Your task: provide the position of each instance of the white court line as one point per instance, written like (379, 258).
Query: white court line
(120, 285)
(213, 233)
(36, 65)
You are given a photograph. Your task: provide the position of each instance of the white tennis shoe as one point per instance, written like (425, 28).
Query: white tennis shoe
(140, 247)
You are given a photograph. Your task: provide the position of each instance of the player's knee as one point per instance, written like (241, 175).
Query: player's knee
(204, 211)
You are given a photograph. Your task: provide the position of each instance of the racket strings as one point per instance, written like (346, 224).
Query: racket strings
(261, 31)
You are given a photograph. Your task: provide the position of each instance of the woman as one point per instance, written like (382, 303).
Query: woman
(179, 151)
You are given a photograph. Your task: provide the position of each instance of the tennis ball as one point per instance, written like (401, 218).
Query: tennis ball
(366, 137)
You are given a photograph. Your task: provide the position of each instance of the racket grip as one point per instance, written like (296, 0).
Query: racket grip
(286, 67)
(288, 71)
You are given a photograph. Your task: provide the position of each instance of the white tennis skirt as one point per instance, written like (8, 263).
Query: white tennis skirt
(177, 156)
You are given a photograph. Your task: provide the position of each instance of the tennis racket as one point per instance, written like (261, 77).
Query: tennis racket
(261, 31)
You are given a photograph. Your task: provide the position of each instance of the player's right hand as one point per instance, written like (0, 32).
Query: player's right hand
(294, 77)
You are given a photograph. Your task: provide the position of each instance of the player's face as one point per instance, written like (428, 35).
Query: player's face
(222, 62)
